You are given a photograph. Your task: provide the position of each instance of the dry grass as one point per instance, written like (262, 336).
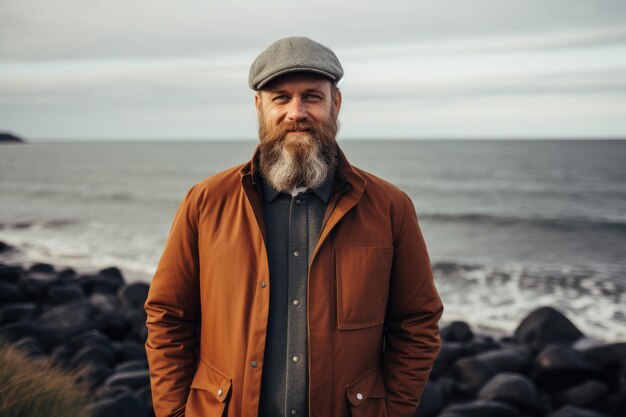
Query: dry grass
(35, 387)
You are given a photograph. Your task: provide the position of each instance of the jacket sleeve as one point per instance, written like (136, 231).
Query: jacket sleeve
(411, 330)
(173, 313)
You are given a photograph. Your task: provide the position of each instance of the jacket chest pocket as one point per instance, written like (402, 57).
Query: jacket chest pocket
(362, 285)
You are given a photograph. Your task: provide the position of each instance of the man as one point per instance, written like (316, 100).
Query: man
(295, 284)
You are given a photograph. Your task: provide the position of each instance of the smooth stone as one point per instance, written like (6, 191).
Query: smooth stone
(129, 350)
(559, 367)
(5, 247)
(35, 285)
(59, 294)
(511, 359)
(132, 365)
(546, 325)
(471, 374)
(10, 274)
(586, 394)
(457, 331)
(42, 267)
(113, 324)
(512, 388)
(10, 293)
(97, 373)
(481, 408)
(145, 395)
(131, 379)
(126, 405)
(573, 411)
(99, 284)
(448, 354)
(431, 402)
(133, 295)
(30, 345)
(67, 320)
(18, 312)
(94, 354)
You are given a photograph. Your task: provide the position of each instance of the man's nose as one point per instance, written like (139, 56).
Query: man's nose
(296, 110)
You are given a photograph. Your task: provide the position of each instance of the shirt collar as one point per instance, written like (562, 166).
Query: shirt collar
(323, 192)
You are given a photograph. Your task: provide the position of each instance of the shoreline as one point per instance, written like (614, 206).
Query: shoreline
(546, 367)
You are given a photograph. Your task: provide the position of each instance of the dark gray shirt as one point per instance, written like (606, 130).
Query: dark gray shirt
(292, 226)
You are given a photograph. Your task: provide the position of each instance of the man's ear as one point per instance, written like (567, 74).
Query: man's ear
(337, 102)
(257, 102)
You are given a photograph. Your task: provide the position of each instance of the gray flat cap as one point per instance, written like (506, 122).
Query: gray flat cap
(293, 54)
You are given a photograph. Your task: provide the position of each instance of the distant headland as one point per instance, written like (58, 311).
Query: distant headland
(6, 137)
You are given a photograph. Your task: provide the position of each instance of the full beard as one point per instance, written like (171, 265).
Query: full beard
(304, 159)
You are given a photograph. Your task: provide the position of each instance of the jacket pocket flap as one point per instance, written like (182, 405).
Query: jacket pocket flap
(210, 379)
(371, 385)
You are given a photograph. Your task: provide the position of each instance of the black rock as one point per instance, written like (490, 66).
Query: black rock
(94, 354)
(99, 284)
(559, 367)
(132, 365)
(18, 312)
(30, 345)
(67, 320)
(431, 402)
(612, 358)
(105, 391)
(145, 395)
(457, 331)
(96, 374)
(42, 268)
(10, 293)
(544, 326)
(471, 374)
(12, 332)
(586, 394)
(573, 411)
(114, 324)
(133, 295)
(6, 137)
(66, 275)
(482, 408)
(129, 350)
(10, 274)
(127, 405)
(35, 285)
(512, 388)
(448, 354)
(59, 294)
(511, 359)
(131, 379)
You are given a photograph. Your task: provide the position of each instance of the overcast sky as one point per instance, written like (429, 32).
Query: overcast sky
(178, 69)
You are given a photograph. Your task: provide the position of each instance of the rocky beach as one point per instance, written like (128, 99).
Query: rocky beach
(95, 322)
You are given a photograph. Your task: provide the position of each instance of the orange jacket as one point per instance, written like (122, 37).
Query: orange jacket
(369, 283)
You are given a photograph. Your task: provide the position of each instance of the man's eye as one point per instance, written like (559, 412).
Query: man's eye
(312, 97)
(280, 98)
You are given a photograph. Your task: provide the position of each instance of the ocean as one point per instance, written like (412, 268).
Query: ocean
(510, 225)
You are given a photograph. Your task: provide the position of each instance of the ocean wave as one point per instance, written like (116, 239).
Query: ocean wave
(48, 224)
(563, 223)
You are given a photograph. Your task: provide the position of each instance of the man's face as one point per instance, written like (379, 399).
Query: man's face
(297, 128)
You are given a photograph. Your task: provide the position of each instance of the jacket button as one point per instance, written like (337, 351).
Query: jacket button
(294, 412)
(296, 302)
(253, 364)
(296, 358)
(220, 392)
(263, 284)
(298, 201)
(359, 396)
(296, 253)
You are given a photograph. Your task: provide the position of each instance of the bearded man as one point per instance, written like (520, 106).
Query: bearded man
(295, 284)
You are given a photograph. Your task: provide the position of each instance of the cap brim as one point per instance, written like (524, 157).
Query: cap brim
(290, 70)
